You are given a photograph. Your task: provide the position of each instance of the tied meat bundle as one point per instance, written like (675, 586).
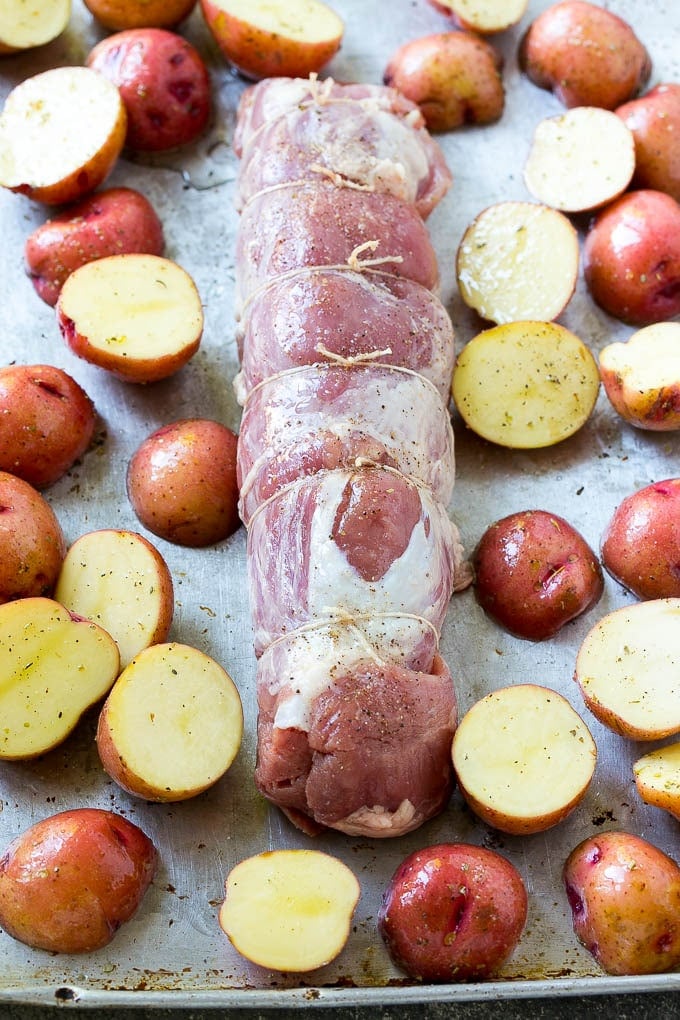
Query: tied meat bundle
(346, 459)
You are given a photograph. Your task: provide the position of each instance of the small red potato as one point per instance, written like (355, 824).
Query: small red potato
(42, 156)
(117, 15)
(46, 422)
(534, 573)
(32, 544)
(454, 77)
(641, 543)
(631, 258)
(112, 222)
(485, 16)
(624, 895)
(453, 912)
(31, 23)
(163, 82)
(641, 377)
(274, 38)
(70, 881)
(181, 482)
(138, 316)
(654, 120)
(587, 55)
(657, 778)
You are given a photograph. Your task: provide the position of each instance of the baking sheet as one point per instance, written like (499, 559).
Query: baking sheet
(172, 952)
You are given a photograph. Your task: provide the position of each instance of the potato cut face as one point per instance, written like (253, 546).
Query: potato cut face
(649, 360)
(580, 159)
(51, 669)
(307, 21)
(488, 15)
(289, 910)
(525, 385)
(518, 260)
(538, 764)
(39, 146)
(175, 720)
(120, 581)
(32, 22)
(628, 669)
(657, 778)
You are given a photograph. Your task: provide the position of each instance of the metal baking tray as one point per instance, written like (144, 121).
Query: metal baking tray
(173, 952)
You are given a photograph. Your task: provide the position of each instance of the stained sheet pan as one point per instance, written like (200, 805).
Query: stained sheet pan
(172, 952)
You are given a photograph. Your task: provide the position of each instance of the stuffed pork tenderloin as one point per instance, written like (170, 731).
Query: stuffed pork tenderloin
(346, 456)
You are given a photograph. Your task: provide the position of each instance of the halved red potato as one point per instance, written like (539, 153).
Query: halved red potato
(580, 160)
(274, 38)
(119, 580)
(523, 758)
(138, 316)
(118, 15)
(654, 120)
(484, 16)
(32, 544)
(289, 910)
(518, 260)
(640, 542)
(628, 669)
(61, 133)
(525, 384)
(32, 23)
(657, 778)
(171, 725)
(641, 377)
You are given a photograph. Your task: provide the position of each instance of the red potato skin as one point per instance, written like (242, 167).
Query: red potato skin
(47, 422)
(70, 881)
(534, 573)
(631, 258)
(453, 912)
(164, 85)
(641, 544)
(117, 15)
(585, 54)
(113, 222)
(624, 894)
(654, 120)
(181, 482)
(32, 544)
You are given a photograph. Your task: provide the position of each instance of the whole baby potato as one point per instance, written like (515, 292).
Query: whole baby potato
(453, 912)
(70, 881)
(46, 422)
(120, 14)
(111, 222)
(631, 258)
(641, 543)
(32, 544)
(454, 77)
(181, 482)
(587, 55)
(624, 895)
(163, 82)
(654, 120)
(534, 573)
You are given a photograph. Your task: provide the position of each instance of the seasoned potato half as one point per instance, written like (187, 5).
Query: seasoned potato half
(138, 316)
(172, 724)
(518, 260)
(641, 377)
(121, 14)
(32, 23)
(657, 778)
(270, 38)
(537, 767)
(580, 160)
(289, 910)
(119, 580)
(628, 669)
(525, 384)
(41, 155)
(484, 16)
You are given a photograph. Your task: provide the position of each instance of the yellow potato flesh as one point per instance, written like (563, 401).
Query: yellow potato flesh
(289, 910)
(657, 777)
(525, 384)
(488, 15)
(30, 23)
(302, 20)
(649, 359)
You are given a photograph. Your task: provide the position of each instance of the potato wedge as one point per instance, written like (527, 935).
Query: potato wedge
(289, 910)
(518, 260)
(137, 316)
(484, 16)
(171, 725)
(580, 160)
(53, 666)
(628, 669)
(535, 769)
(641, 377)
(119, 580)
(32, 23)
(657, 778)
(41, 155)
(525, 384)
